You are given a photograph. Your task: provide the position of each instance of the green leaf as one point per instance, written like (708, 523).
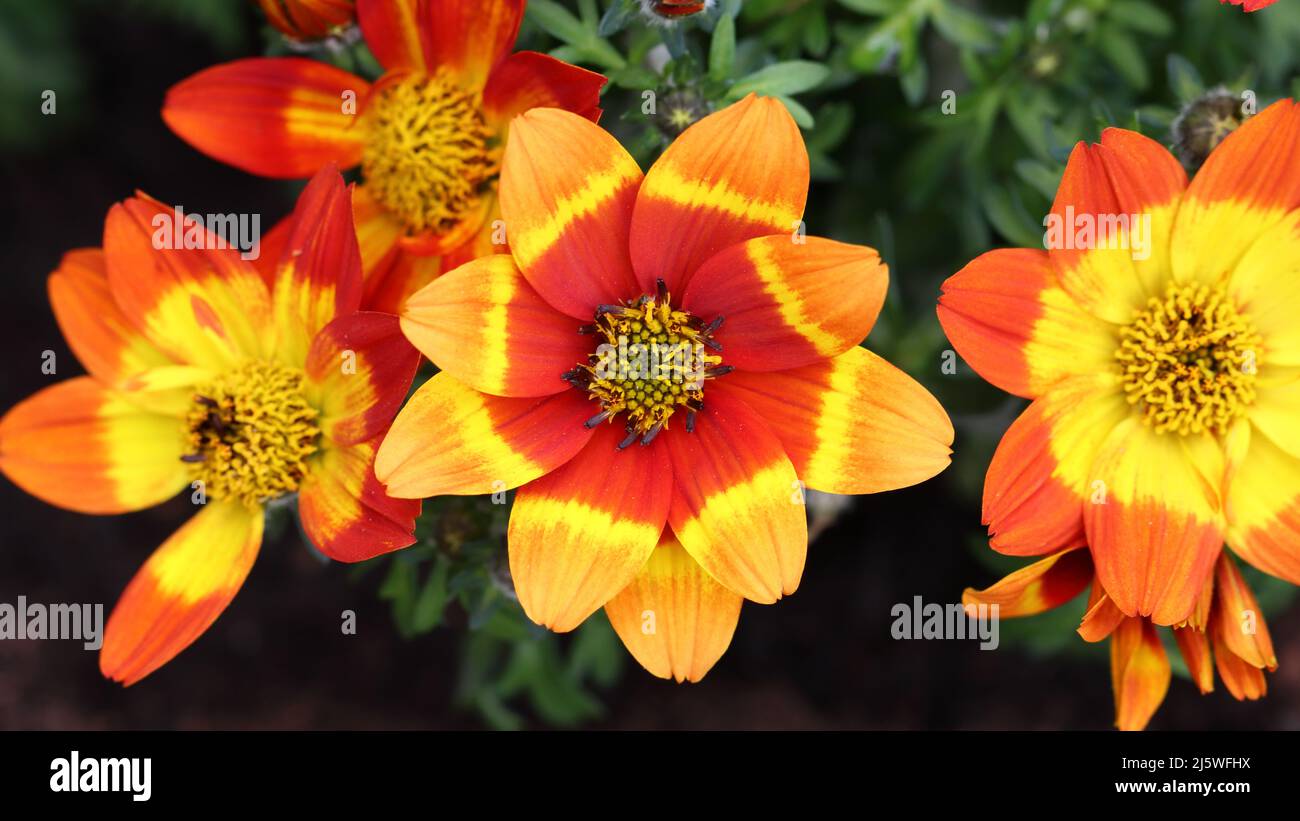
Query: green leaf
(790, 77)
(1121, 49)
(617, 17)
(1184, 79)
(963, 27)
(1141, 17)
(432, 602)
(801, 115)
(913, 81)
(558, 22)
(872, 6)
(722, 51)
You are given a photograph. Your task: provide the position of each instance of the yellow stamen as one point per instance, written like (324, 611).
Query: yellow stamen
(251, 433)
(1189, 361)
(430, 152)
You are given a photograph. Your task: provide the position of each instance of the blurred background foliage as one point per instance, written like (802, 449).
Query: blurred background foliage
(937, 130)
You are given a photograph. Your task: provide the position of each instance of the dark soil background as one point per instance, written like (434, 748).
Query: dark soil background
(823, 659)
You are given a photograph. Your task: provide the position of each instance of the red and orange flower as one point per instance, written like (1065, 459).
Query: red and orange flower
(202, 379)
(309, 19)
(1249, 5)
(1162, 356)
(428, 135)
(665, 498)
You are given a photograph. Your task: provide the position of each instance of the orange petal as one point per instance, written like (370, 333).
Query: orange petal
(1009, 318)
(1249, 183)
(1241, 621)
(737, 505)
(181, 590)
(101, 336)
(1139, 672)
(789, 303)
(280, 117)
(737, 174)
(1043, 585)
(1245, 681)
(581, 534)
(527, 79)
(359, 370)
(1195, 648)
(1154, 528)
(393, 29)
(567, 190)
(1108, 235)
(345, 511)
(81, 446)
(1102, 616)
(469, 36)
(852, 424)
(201, 305)
(1042, 475)
(451, 439)
(1263, 509)
(485, 325)
(674, 618)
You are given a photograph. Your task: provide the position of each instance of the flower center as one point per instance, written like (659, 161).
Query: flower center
(429, 152)
(1188, 361)
(651, 361)
(251, 432)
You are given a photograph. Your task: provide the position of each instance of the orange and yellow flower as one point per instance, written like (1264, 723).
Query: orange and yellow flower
(309, 19)
(706, 250)
(428, 135)
(1157, 339)
(202, 379)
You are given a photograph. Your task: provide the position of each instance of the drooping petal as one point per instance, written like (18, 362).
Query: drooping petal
(1265, 286)
(1250, 181)
(852, 424)
(1245, 681)
(567, 191)
(393, 29)
(1263, 509)
(737, 503)
(319, 274)
(737, 174)
(1139, 672)
(1195, 648)
(1046, 584)
(1114, 214)
(485, 325)
(84, 447)
(1102, 616)
(101, 336)
(181, 590)
(469, 36)
(1241, 621)
(528, 79)
(201, 305)
(359, 370)
(450, 439)
(674, 618)
(788, 303)
(581, 534)
(345, 511)
(282, 117)
(1155, 530)
(1041, 475)
(1009, 317)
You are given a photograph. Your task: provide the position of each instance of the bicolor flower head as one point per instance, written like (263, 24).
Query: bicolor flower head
(668, 11)
(203, 380)
(309, 19)
(659, 363)
(1156, 336)
(428, 135)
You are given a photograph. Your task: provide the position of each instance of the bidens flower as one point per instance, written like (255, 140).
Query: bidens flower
(309, 19)
(1163, 360)
(202, 380)
(656, 366)
(428, 135)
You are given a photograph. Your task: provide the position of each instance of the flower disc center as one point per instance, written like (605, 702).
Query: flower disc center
(251, 432)
(429, 151)
(1189, 361)
(650, 362)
